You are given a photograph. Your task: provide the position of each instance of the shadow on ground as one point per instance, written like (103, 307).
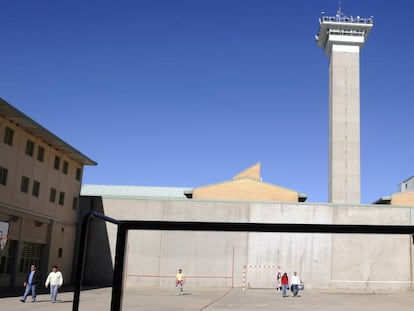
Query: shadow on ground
(18, 291)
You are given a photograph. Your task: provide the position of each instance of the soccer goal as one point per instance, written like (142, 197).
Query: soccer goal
(260, 276)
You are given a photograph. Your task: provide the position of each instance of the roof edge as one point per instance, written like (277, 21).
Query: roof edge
(13, 114)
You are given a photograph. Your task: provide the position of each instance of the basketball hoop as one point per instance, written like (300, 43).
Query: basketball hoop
(4, 232)
(3, 242)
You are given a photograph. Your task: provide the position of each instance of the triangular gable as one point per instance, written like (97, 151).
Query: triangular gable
(252, 172)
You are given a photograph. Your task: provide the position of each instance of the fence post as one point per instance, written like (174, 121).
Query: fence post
(119, 268)
(81, 260)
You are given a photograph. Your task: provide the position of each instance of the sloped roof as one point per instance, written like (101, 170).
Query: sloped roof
(121, 191)
(252, 172)
(23, 121)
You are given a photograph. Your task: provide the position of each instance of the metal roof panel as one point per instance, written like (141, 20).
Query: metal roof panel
(123, 191)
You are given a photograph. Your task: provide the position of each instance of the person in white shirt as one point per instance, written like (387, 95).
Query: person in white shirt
(295, 281)
(55, 280)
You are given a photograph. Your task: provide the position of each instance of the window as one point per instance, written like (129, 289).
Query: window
(61, 198)
(57, 163)
(78, 174)
(60, 252)
(40, 153)
(30, 255)
(24, 186)
(29, 147)
(75, 203)
(3, 176)
(65, 167)
(8, 257)
(8, 136)
(36, 188)
(52, 195)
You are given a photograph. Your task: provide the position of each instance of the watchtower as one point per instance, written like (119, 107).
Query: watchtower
(342, 37)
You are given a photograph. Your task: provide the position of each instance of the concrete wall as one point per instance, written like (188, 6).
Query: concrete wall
(218, 258)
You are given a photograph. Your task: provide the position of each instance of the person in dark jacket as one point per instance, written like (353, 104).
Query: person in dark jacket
(30, 283)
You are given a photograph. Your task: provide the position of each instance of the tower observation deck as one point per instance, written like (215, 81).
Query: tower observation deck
(343, 30)
(342, 37)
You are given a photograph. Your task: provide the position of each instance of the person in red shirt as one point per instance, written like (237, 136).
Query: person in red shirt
(285, 284)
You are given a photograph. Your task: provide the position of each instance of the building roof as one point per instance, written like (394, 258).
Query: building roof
(408, 179)
(384, 200)
(134, 192)
(23, 121)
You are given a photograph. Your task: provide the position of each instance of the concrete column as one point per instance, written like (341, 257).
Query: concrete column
(344, 125)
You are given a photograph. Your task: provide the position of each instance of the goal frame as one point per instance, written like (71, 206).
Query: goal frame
(245, 284)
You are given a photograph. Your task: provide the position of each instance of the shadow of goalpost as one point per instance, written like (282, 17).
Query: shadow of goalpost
(125, 225)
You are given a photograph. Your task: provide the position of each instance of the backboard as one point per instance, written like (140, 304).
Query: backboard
(4, 233)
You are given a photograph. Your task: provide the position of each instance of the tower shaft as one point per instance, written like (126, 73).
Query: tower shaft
(342, 37)
(344, 125)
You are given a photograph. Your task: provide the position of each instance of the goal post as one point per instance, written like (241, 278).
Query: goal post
(260, 277)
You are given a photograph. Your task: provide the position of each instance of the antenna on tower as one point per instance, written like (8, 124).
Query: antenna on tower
(339, 12)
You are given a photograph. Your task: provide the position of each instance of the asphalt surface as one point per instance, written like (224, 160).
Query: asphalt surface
(216, 299)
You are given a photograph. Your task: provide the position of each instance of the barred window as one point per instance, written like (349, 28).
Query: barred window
(52, 195)
(65, 167)
(8, 257)
(40, 153)
(24, 186)
(78, 174)
(29, 148)
(3, 176)
(57, 163)
(36, 188)
(61, 198)
(8, 136)
(30, 255)
(75, 203)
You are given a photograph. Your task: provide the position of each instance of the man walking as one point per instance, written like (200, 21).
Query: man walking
(30, 283)
(295, 281)
(55, 279)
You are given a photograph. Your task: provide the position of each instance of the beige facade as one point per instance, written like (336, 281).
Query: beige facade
(40, 181)
(405, 198)
(247, 186)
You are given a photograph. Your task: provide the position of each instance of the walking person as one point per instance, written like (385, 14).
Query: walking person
(179, 281)
(30, 283)
(285, 284)
(55, 280)
(279, 277)
(295, 284)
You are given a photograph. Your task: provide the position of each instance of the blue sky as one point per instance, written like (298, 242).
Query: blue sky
(190, 93)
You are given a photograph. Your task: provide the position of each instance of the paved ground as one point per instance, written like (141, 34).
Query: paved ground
(217, 299)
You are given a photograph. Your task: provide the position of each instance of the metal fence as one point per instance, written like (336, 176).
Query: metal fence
(125, 225)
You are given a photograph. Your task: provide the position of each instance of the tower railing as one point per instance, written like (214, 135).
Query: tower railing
(348, 19)
(125, 225)
(347, 32)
